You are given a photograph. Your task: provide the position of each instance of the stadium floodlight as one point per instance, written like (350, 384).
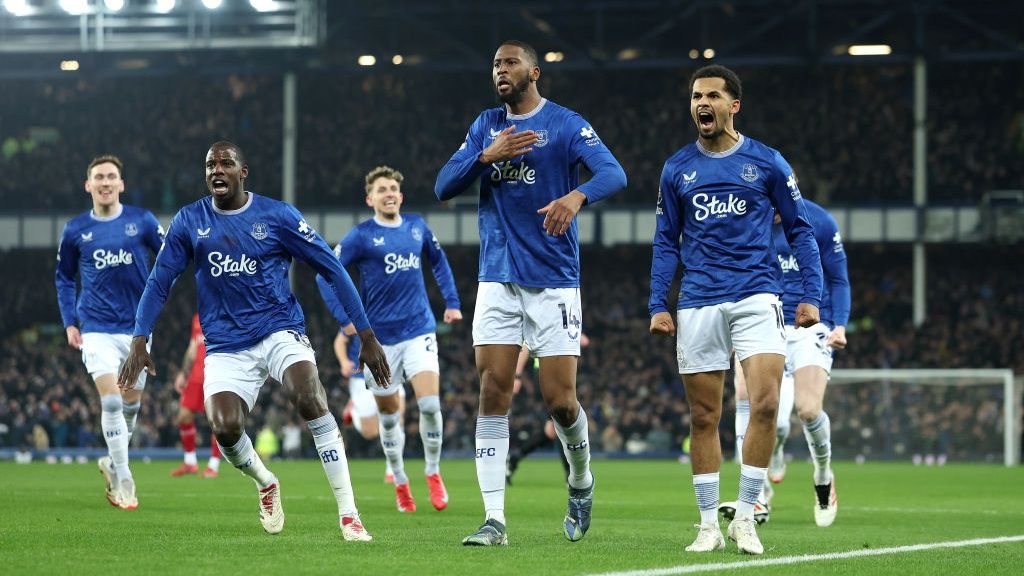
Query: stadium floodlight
(74, 7)
(17, 7)
(69, 65)
(164, 6)
(554, 56)
(212, 4)
(367, 60)
(114, 5)
(262, 5)
(869, 50)
(397, 59)
(709, 53)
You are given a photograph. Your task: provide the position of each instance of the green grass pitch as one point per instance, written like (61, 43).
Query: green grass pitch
(55, 520)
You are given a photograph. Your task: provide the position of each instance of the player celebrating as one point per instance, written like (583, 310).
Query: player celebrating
(808, 362)
(387, 250)
(190, 385)
(108, 248)
(242, 245)
(526, 155)
(720, 194)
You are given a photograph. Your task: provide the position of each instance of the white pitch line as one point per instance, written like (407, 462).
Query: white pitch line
(717, 566)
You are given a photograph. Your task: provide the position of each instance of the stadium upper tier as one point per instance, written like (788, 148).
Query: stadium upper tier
(846, 129)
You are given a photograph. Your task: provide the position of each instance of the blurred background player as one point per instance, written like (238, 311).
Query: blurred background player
(526, 155)
(108, 249)
(387, 250)
(541, 437)
(808, 363)
(361, 410)
(189, 383)
(243, 245)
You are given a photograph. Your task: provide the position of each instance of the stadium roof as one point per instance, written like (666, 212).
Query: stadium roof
(460, 35)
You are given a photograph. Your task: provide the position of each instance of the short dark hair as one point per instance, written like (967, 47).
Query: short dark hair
(531, 54)
(732, 82)
(235, 147)
(104, 159)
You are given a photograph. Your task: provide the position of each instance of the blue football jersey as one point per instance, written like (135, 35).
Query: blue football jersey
(111, 255)
(721, 204)
(391, 276)
(835, 297)
(513, 244)
(242, 258)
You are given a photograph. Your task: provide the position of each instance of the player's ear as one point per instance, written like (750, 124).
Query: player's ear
(734, 107)
(369, 201)
(245, 172)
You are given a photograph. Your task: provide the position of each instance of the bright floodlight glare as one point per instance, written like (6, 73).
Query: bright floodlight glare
(870, 50)
(262, 5)
(17, 7)
(554, 56)
(69, 65)
(367, 60)
(709, 53)
(164, 6)
(397, 59)
(74, 6)
(113, 5)
(212, 4)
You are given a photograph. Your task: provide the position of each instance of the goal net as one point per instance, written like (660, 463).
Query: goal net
(929, 416)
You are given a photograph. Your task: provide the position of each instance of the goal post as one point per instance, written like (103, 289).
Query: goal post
(1010, 396)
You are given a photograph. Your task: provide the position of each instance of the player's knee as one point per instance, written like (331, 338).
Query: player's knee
(112, 403)
(565, 413)
(389, 421)
(227, 429)
(308, 397)
(704, 420)
(808, 413)
(429, 404)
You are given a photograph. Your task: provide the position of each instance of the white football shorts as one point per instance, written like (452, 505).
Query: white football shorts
(548, 321)
(707, 335)
(104, 353)
(406, 359)
(807, 347)
(244, 372)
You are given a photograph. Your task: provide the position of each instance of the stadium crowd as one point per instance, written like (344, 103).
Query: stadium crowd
(348, 121)
(627, 377)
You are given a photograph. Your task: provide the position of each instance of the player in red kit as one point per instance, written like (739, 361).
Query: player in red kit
(189, 383)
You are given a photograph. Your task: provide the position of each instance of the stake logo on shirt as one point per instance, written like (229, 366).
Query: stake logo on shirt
(509, 172)
(105, 258)
(707, 205)
(395, 262)
(225, 264)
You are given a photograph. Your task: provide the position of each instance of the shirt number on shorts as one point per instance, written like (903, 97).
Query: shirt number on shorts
(780, 322)
(431, 344)
(301, 339)
(565, 316)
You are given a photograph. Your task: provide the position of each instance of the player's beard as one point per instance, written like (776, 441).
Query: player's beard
(516, 94)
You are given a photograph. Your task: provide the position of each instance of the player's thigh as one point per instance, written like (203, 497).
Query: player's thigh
(553, 322)
(498, 315)
(702, 339)
(240, 373)
(103, 355)
(557, 377)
